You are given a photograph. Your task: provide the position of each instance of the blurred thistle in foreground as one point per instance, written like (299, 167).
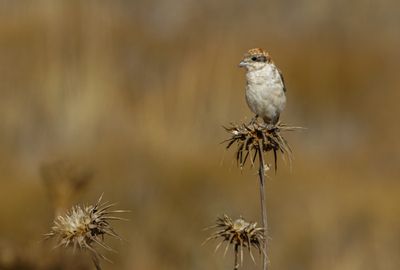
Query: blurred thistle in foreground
(254, 139)
(239, 233)
(86, 226)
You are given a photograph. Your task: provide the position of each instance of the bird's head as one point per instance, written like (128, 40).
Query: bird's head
(255, 59)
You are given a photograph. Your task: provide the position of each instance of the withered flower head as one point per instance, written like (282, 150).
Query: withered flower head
(255, 139)
(85, 226)
(239, 233)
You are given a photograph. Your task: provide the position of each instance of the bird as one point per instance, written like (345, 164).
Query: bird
(265, 88)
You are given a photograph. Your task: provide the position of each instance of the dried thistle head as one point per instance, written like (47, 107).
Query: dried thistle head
(85, 226)
(255, 139)
(239, 233)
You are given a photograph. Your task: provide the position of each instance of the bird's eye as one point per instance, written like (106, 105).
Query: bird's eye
(254, 58)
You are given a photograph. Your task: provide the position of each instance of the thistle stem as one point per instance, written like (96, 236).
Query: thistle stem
(96, 261)
(236, 266)
(261, 174)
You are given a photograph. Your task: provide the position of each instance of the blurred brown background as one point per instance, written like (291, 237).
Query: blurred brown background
(128, 98)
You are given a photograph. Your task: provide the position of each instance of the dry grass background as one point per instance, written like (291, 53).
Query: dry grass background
(137, 92)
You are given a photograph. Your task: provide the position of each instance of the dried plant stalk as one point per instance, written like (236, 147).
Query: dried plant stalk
(264, 218)
(236, 262)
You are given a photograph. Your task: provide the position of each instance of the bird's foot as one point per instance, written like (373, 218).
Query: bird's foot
(270, 127)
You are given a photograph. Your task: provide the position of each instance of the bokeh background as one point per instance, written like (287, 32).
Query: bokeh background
(128, 98)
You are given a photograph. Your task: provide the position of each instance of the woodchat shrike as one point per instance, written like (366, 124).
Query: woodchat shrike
(265, 88)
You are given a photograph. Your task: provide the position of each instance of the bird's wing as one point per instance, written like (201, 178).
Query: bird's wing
(282, 79)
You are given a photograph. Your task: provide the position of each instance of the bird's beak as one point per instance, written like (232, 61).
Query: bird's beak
(242, 64)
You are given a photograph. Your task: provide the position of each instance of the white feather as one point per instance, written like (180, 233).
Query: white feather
(264, 92)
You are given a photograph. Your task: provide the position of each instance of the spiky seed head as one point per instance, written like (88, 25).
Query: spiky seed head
(240, 225)
(239, 233)
(256, 139)
(85, 226)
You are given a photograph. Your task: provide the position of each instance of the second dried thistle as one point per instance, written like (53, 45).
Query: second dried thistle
(83, 227)
(240, 234)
